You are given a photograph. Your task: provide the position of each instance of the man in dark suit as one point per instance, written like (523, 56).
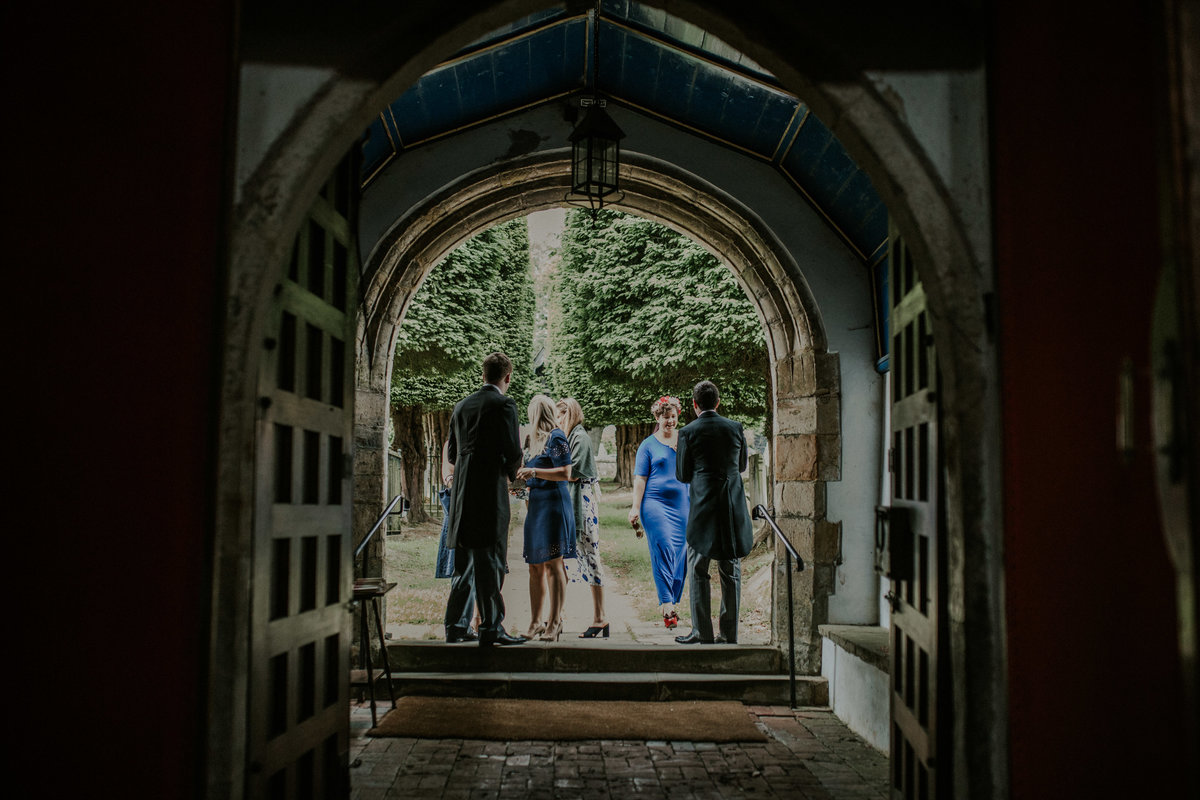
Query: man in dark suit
(711, 458)
(486, 454)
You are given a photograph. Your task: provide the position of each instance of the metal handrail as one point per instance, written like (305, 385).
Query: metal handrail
(760, 512)
(387, 512)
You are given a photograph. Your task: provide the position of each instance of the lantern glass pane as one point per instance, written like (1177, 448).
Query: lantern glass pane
(579, 166)
(608, 161)
(597, 171)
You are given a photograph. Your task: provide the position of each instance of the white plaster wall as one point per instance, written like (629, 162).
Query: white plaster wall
(947, 112)
(269, 96)
(858, 694)
(838, 280)
(852, 499)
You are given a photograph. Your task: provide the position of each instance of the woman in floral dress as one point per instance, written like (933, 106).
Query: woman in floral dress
(585, 498)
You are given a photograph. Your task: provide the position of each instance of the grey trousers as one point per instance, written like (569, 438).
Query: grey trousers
(700, 595)
(478, 578)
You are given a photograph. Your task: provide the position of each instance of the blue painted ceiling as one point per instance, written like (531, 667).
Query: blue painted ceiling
(659, 65)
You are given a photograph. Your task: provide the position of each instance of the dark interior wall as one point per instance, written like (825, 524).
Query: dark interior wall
(1095, 689)
(115, 187)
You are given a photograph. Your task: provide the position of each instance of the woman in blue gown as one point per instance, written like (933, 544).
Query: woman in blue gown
(444, 567)
(660, 505)
(549, 518)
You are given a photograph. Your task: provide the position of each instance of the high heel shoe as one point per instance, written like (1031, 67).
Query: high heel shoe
(534, 631)
(552, 632)
(671, 620)
(595, 630)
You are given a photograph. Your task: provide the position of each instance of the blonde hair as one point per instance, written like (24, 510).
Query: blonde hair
(572, 413)
(541, 422)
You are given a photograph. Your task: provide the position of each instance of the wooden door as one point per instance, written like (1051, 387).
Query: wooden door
(918, 549)
(300, 621)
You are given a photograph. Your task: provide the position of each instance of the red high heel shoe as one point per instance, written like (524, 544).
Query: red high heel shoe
(671, 620)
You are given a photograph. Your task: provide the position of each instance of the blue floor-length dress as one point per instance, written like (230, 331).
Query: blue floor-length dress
(550, 518)
(664, 515)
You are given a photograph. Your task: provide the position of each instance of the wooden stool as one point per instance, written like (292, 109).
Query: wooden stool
(367, 592)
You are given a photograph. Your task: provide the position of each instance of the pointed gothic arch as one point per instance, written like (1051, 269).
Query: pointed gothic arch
(805, 384)
(274, 199)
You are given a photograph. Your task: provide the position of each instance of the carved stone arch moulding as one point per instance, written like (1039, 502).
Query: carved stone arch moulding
(804, 377)
(273, 200)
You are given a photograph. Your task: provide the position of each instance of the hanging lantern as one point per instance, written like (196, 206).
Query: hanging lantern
(596, 156)
(595, 142)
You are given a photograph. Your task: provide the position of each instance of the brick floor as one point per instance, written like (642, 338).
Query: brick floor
(810, 755)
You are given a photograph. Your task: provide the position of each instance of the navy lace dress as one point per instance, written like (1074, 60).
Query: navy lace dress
(550, 520)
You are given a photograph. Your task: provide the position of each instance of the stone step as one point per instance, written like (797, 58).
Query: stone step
(763, 689)
(585, 657)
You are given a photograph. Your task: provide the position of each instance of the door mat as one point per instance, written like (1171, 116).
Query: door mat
(567, 720)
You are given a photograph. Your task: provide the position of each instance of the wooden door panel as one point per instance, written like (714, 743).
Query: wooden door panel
(300, 623)
(915, 599)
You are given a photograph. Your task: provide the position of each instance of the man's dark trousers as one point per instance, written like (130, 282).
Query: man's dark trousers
(478, 572)
(700, 595)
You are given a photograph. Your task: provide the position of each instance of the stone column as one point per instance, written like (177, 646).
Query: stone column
(370, 473)
(370, 484)
(807, 453)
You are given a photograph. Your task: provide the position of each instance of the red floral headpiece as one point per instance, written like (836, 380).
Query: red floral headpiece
(665, 401)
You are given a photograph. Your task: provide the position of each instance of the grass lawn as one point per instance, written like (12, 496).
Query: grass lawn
(420, 599)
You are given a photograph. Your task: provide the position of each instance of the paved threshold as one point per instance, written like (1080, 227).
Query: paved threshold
(810, 754)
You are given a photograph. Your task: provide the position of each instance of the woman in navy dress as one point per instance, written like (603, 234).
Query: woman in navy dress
(445, 555)
(444, 568)
(550, 517)
(660, 505)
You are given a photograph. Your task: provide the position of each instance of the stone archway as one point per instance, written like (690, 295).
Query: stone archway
(293, 161)
(804, 377)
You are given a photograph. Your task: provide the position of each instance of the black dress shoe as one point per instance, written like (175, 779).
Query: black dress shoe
(692, 638)
(468, 636)
(722, 640)
(502, 639)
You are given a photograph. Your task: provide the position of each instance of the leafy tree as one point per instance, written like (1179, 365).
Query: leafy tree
(476, 300)
(645, 311)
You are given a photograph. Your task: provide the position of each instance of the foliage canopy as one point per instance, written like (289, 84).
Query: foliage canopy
(478, 299)
(644, 311)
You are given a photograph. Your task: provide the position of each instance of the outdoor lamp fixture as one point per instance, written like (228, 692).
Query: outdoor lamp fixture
(596, 155)
(595, 145)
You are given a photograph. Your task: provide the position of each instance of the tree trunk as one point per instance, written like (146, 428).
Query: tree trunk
(409, 424)
(437, 426)
(628, 439)
(437, 431)
(595, 434)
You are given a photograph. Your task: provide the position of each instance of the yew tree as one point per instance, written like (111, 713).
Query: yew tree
(644, 311)
(476, 300)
